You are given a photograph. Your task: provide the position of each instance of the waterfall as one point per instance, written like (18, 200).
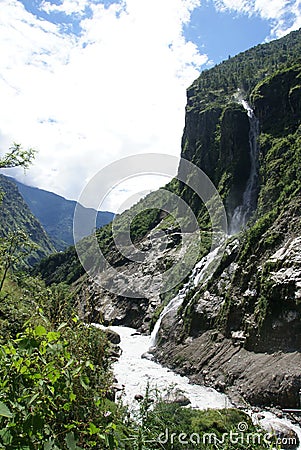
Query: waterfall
(242, 212)
(200, 273)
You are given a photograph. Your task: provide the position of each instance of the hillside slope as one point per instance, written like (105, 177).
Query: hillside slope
(15, 215)
(56, 214)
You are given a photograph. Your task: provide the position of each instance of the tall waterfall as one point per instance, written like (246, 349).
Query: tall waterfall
(242, 212)
(200, 273)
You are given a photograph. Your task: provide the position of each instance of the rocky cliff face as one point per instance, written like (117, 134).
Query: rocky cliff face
(241, 331)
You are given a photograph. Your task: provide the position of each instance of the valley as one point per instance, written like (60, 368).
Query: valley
(227, 332)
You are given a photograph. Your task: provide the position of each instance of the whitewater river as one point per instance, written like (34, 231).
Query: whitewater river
(135, 373)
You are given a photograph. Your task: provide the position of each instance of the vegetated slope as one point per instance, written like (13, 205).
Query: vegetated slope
(15, 215)
(56, 214)
(240, 331)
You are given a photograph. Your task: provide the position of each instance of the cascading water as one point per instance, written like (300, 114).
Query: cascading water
(200, 273)
(242, 212)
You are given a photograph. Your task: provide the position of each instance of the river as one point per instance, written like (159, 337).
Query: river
(135, 373)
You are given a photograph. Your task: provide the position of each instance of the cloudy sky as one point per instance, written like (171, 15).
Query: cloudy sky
(86, 82)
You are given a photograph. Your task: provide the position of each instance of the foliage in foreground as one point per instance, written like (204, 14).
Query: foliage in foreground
(171, 427)
(53, 387)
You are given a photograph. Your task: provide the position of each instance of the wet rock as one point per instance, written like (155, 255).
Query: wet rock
(286, 436)
(147, 355)
(220, 386)
(177, 397)
(115, 352)
(138, 397)
(111, 395)
(238, 337)
(112, 336)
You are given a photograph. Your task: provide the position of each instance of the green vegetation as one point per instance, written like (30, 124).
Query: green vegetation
(17, 157)
(216, 86)
(16, 218)
(55, 213)
(167, 425)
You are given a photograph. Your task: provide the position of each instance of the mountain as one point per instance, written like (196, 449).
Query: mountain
(56, 213)
(238, 329)
(15, 215)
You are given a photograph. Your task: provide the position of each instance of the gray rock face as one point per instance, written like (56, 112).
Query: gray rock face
(112, 336)
(288, 260)
(145, 278)
(251, 365)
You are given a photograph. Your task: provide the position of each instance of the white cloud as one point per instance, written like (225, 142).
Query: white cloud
(285, 15)
(66, 6)
(116, 89)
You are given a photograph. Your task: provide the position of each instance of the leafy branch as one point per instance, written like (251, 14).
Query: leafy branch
(17, 157)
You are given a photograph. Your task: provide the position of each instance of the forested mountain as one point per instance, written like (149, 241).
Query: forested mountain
(15, 216)
(56, 213)
(234, 329)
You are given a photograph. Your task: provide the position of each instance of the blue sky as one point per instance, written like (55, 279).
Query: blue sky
(88, 82)
(223, 34)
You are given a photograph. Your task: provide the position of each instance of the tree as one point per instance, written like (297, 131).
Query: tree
(16, 245)
(17, 157)
(13, 250)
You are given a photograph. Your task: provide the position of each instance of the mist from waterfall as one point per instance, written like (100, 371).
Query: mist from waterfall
(242, 212)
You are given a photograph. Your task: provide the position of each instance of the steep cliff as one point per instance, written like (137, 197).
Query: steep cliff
(241, 330)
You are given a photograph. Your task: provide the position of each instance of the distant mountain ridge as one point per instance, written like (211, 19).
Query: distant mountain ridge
(55, 213)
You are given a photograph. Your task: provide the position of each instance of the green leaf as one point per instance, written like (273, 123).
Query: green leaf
(50, 445)
(28, 344)
(93, 429)
(62, 325)
(70, 441)
(111, 442)
(84, 381)
(6, 436)
(4, 411)
(40, 331)
(53, 336)
(33, 398)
